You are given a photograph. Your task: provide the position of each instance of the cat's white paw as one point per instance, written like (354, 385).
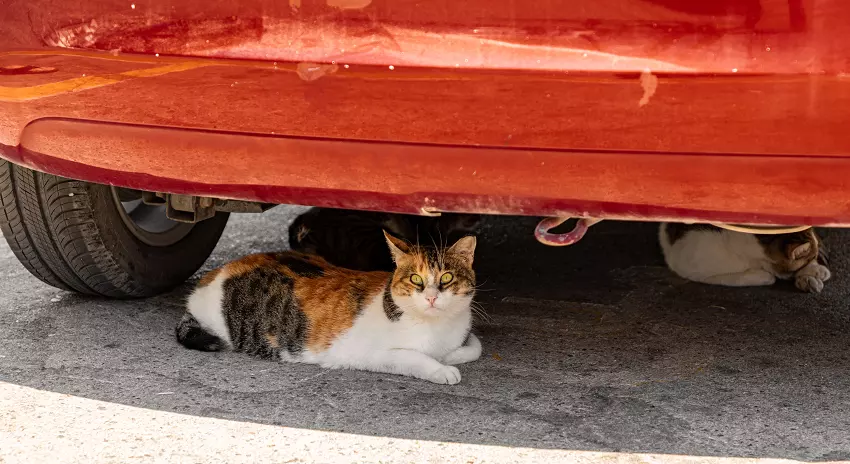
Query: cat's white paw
(446, 375)
(812, 277)
(822, 272)
(809, 284)
(813, 269)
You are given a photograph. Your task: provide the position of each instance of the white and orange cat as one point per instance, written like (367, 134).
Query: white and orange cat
(711, 255)
(297, 307)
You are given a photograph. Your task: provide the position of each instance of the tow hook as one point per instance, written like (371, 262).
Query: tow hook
(541, 232)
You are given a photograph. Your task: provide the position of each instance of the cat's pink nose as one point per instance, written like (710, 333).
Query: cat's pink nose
(431, 300)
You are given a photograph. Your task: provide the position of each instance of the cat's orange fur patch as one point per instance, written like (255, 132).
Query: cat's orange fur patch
(270, 260)
(313, 259)
(330, 306)
(248, 264)
(416, 263)
(272, 340)
(209, 277)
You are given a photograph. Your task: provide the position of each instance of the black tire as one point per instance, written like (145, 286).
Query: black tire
(71, 235)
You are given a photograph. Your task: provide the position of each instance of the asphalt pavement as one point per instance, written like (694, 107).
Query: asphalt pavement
(591, 352)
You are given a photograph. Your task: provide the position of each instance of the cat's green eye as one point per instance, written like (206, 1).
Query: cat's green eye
(446, 278)
(416, 279)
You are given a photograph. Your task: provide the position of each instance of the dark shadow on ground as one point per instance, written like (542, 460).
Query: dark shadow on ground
(590, 347)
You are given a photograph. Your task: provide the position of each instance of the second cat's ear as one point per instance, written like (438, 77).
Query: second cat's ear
(799, 251)
(398, 247)
(465, 249)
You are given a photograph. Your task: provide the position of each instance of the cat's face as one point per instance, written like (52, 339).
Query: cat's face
(433, 282)
(790, 252)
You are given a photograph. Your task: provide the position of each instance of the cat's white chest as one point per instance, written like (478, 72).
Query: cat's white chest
(373, 333)
(434, 338)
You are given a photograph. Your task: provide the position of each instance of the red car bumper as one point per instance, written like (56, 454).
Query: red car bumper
(732, 111)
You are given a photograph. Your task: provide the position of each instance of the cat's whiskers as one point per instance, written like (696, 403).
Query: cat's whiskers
(479, 311)
(479, 286)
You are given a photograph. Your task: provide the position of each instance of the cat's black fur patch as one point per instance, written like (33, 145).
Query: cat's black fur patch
(299, 266)
(191, 335)
(391, 309)
(259, 305)
(349, 239)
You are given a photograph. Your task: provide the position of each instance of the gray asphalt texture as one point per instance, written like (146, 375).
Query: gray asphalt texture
(591, 347)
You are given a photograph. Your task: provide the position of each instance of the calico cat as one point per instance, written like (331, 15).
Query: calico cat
(355, 240)
(712, 255)
(296, 307)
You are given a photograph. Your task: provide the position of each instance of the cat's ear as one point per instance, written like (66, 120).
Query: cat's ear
(398, 247)
(464, 249)
(799, 251)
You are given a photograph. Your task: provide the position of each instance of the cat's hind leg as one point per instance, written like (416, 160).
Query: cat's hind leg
(470, 351)
(749, 278)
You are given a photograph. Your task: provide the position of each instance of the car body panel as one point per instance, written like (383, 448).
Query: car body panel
(644, 109)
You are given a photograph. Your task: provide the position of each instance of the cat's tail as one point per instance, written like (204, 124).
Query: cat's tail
(191, 335)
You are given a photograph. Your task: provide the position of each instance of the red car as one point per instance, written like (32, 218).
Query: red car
(168, 115)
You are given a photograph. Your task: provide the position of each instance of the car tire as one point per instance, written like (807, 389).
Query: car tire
(75, 235)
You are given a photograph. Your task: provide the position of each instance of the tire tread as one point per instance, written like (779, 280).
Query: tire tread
(52, 226)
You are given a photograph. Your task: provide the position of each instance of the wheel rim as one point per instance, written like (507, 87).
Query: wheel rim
(148, 222)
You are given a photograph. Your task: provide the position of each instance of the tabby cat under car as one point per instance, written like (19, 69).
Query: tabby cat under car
(712, 255)
(296, 307)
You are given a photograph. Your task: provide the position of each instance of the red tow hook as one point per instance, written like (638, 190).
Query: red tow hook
(541, 232)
